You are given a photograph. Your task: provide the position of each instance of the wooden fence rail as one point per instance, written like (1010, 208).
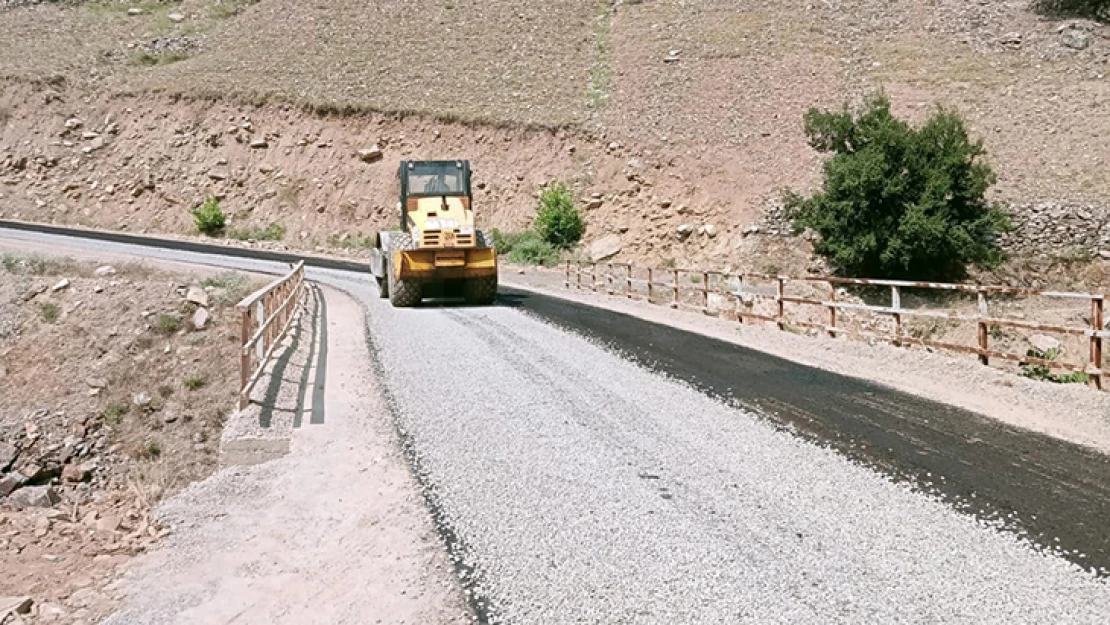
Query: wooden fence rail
(698, 290)
(266, 316)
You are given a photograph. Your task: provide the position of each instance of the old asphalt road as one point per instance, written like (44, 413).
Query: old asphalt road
(587, 467)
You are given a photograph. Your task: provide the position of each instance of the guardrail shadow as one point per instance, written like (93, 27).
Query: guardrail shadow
(301, 365)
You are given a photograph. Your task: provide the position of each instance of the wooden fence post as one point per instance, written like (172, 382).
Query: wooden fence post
(566, 283)
(740, 298)
(832, 310)
(896, 304)
(609, 278)
(628, 282)
(780, 292)
(675, 304)
(705, 291)
(984, 331)
(244, 356)
(651, 283)
(1096, 341)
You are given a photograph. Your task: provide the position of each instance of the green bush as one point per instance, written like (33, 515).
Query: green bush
(210, 219)
(272, 232)
(1094, 9)
(900, 202)
(167, 324)
(50, 312)
(1045, 374)
(505, 242)
(527, 248)
(558, 221)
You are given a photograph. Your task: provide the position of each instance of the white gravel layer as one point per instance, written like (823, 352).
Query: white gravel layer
(587, 490)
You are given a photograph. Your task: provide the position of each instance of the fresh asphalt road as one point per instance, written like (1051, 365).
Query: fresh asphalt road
(575, 485)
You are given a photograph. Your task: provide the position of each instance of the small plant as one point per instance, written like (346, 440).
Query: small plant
(194, 382)
(504, 242)
(50, 312)
(113, 413)
(558, 221)
(1045, 374)
(167, 324)
(995, 331)
(530, 249)
(209, 218)
(695, 278)
(150, 450)
(35, 265)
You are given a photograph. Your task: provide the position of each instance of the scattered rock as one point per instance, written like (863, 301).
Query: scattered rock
(14, 605)
(1104, 254)
(684, 231)
(34, 292)
(1012, 40)
(62, 284)
(1075, 38)
(8, 454)
(9, 483)
(73, 123)
(371, 154)
(34, 497)
(200, 318)
(105, 270)
(1043, 343)
(176, 17)
(141, 399)
(197, 296)
(135, 11)
(710, 231)
(76, 473)
(605, 247)
(218, 174)
(96, 382)
(259, 144)
(108, 523)
(594, 203)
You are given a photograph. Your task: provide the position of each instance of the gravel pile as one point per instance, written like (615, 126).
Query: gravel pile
(588, 490)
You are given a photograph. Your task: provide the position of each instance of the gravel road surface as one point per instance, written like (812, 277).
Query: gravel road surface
(580, 487)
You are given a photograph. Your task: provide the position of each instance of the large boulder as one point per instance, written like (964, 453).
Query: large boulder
(34, 497)
(605, 247)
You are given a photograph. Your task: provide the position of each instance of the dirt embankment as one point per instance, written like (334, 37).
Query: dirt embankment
(114, 383)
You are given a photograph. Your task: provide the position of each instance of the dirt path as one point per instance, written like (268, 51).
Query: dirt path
(333, 533)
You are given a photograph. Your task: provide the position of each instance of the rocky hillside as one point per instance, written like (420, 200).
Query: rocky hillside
(678, 123)
(114, 382)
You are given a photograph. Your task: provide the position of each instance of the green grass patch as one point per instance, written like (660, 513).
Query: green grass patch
(194, 382)
(50, 312)
(167, 324)
(114, 412)
(35, 265)
(272, 232)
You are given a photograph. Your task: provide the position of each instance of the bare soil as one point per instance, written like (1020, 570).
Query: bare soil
(113, 399)
(586, 92)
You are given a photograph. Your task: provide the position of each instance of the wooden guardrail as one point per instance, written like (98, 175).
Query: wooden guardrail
(266, 316)
(685, 288)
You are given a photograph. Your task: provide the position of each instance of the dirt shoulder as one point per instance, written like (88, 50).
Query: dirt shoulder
(114, 384)
(335, 532)
(1070, 412)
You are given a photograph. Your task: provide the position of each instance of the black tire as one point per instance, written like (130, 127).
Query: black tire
(383, 285)
(403, 293)
(480, 291)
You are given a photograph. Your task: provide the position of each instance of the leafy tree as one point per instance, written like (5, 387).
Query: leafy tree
(1094, 9)
(558, 221)
(898, 201)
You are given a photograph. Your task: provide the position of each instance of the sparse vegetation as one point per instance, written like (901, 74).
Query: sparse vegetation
(1093, 9)
(144, 58)
(354, 241)
(167, 324)
(530, 249)
(148, 450)
(210, 218)
(114, 412)
(229, 287)
(272, 232)
(898, 201)
(50, 312)
(35, 265)
(558, 221)
(194, 382)
(1045, 373)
